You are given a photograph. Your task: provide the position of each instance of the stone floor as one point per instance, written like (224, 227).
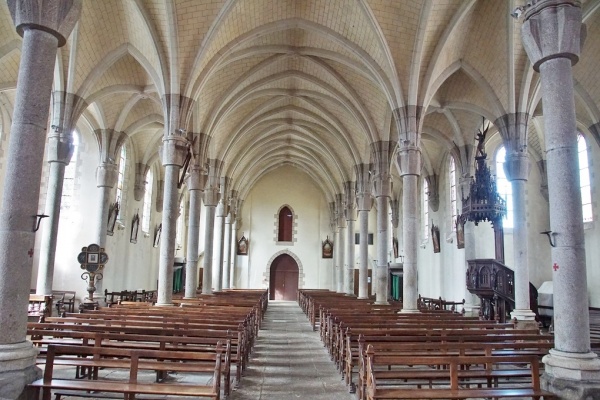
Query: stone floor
(288, 362)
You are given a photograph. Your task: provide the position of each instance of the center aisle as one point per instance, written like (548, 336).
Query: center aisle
(289, 361)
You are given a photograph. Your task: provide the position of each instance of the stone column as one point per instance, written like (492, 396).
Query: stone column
(219, 238)
(471, 303)
(211, 198)
(382, 153)
(513, 128)
(232, 252)
(410, 167)
(227, 251)
(517, 170)
(552, 36)
(44, 27)
(174, 150)
(341, 224)
(364, 203)
(350, 215)
(60, 150)
(195, 185)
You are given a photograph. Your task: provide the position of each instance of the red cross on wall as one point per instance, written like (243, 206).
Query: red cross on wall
(30, 252)
(555, 267)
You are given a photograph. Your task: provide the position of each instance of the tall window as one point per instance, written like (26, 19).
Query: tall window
(452, 183)
(147, 209)
(504, 187)
(286, 222)
(121, 176)
(179, 227)
(425, 209)
(66, 202)
(584, 179)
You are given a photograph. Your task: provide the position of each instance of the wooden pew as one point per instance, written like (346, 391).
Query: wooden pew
(452, 374)
(132, 360)
(40, 306)
(64, 301)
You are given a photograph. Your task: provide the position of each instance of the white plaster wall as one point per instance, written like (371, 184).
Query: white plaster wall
(592, 230)
(286, 185)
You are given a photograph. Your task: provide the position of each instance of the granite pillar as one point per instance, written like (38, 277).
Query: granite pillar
(227, 251)
(364, 202)
(350, 216)
(552, 36)
(44, 27)
(174, 151)
(211, 198)
(195, 185)
(410, 166)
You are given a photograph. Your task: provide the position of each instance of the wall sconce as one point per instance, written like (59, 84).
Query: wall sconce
(551, 236)
(37, 218)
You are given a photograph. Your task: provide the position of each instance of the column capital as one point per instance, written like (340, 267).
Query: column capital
(60, 145)
(57, 17)
(350, 200)
(196, 177)
(516, 167)
(395, 208)
(409, 160)
(553, 29)
(106, 174)
(433, 184)
(364, 200)
(174, 149)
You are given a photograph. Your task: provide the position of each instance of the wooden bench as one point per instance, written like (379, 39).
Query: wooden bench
(133, 361)
(452, 374)
(40, 306)
(64, 301)
(412, 349)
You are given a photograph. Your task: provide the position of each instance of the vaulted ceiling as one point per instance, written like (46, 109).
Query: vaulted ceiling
(308, 83)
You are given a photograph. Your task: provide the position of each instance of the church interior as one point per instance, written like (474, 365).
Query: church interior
(381, 151)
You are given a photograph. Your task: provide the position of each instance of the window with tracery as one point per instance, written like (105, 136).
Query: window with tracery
(452, 189)
(147, 208)
(584, 179)
(425, 209)
(286, 224)
(121, 178)
(504, 187)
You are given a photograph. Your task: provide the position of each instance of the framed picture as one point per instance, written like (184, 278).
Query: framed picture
(435, 238)
(460, 233)
(242, 246)
(92, 258)
(135, 224)
(327, 250)
(113, 212)
(157, 232)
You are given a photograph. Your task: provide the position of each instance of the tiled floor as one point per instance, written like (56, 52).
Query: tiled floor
(289, 361)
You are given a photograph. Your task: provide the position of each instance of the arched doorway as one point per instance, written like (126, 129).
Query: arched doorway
(284, 278)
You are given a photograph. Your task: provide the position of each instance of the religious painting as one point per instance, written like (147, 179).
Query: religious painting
(135, 224)
(113, 212)
(395, 246)
(157, 232)
(435, 237)
(327, 249)
(460, 233)
(242, 246)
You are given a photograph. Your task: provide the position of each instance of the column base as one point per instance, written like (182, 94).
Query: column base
(404, 311)
(164, 305)
(17, 369)
(522, 315)
(381, 303)
(572, 376)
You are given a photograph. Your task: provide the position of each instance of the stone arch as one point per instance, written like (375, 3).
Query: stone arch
(267, 273)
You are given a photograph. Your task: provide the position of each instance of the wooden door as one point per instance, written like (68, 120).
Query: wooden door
(284, 278)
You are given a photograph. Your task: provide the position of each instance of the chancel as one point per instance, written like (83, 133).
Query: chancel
(400, 169)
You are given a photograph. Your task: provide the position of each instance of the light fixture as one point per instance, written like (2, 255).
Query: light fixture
(37, 219)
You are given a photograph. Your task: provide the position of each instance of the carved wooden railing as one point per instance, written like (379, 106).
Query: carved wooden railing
(494, 284)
